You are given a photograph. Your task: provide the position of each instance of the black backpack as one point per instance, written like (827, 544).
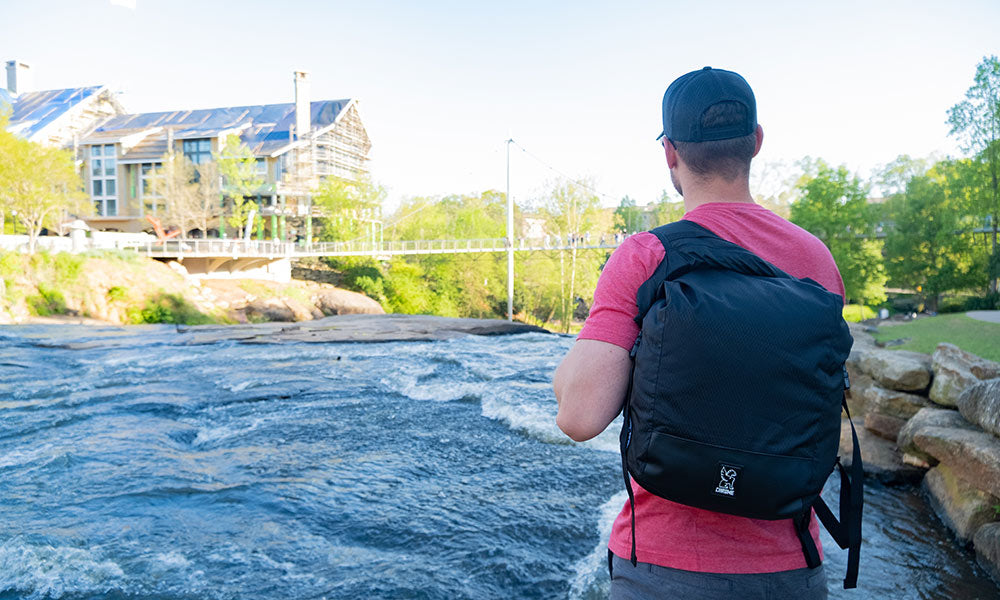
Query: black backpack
(737, 386)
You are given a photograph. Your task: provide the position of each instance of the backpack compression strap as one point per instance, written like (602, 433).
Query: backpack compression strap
(847, 531)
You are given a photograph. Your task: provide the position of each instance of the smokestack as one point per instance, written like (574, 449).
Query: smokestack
(19, 77)
(303, 113)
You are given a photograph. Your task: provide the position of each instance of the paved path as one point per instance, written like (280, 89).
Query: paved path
(992, 316)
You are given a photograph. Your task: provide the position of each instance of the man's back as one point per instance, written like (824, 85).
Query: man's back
(670, 534)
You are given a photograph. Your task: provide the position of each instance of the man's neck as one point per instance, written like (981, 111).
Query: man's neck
(697, 193)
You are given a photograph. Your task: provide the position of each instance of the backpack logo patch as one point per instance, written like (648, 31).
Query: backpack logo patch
(728, 477)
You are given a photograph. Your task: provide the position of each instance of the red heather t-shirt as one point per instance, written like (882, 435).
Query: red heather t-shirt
(670, 534)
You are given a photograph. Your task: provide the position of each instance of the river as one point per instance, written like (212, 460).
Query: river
(134, 466)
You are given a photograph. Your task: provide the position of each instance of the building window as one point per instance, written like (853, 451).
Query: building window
(262, 168)
(198, 151)
(104, 180)
(149, 175)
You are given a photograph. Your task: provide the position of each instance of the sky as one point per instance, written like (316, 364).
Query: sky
(577, 85)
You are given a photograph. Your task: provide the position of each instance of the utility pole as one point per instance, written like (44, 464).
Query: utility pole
(510, 241)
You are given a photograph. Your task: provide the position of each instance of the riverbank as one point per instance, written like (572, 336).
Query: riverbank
(123, 288)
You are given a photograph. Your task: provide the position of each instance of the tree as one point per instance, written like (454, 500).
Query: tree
(834, 207)
(191, 198)
(628, 216)
(572, 212)
(38, 184)
(238, 167)
(976, 122)
(667, 210)
(349, 209)
(929, 245)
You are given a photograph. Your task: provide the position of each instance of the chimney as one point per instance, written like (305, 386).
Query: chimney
(19, 77)
(303, 113)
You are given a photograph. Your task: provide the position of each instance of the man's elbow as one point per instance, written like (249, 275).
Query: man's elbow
(576, 429)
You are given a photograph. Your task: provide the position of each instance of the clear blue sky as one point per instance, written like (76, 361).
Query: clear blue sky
(578, 84)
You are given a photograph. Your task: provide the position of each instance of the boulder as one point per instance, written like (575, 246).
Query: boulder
(893, 403)
(971, 454)
(884, 426)
(928, 418)
(880, 457)
(857, 398)
(980, 404)
(895, 369)
(269, 309)
(955, 370)
(962, 507)
(987, 543)
(344, 302)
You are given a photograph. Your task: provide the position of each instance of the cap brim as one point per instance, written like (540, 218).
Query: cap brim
(661, 135)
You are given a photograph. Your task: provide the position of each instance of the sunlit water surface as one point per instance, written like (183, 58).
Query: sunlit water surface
(133, 466)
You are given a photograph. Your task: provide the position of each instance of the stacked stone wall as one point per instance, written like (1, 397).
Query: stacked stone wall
(933, 420)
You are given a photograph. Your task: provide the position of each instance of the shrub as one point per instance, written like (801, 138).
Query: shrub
(116, 293)
(858, 312)
(987, 302)
(48, 301)
(167, 308)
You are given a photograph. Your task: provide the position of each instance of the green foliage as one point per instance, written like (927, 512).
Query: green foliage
(167, 308)
(834, 207)
(127, 256)
(628, 216)
(11, 264)
(858, 312)
(39, 185)
(349, 210)
(930, 246)
(924, 334)
(976, 122)
(48, 301)
(117, 293)
(238, 167)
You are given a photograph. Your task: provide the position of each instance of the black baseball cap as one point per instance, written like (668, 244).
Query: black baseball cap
(691, 94)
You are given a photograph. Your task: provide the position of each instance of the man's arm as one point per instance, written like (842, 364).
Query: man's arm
(590, 385)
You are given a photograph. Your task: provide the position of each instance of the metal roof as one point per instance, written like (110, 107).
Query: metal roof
(34, 110)
(265, 127)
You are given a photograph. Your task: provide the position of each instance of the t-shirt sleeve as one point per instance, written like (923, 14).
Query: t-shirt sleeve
(612, 315)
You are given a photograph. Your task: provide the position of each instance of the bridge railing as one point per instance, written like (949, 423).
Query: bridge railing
(213, 247)
(274, 249)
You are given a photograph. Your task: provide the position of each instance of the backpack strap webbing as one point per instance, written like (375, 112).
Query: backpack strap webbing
(624, 439)
(847, 531)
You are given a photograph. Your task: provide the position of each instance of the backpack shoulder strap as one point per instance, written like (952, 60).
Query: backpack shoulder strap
(689, 246)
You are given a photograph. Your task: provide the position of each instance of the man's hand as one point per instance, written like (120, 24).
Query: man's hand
(590, 386)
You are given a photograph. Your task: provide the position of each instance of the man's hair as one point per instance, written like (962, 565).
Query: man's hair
(729, 159)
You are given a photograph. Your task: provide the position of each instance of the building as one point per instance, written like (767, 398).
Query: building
(54, 117)
(296, 144)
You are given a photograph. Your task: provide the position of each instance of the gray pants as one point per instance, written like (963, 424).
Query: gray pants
(645, 581)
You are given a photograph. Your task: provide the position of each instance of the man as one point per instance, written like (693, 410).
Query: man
(710, 134)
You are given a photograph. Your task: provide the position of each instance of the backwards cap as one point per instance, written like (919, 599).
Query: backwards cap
(690, 95)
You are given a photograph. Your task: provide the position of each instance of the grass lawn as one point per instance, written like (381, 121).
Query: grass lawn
(978, 337)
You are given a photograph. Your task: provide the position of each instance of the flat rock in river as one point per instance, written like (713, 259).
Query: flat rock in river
(359, 328)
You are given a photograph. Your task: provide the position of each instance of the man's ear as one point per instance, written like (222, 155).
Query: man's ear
(671, 152)
(759, 133)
